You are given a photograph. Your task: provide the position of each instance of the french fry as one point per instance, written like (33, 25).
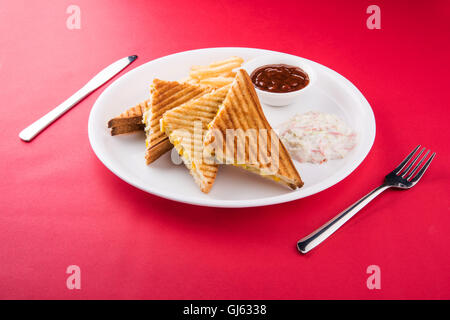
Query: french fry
(229, 74)
(217, 82)
(216, 75)
(216, 69)
(219, 63)
(190, 80)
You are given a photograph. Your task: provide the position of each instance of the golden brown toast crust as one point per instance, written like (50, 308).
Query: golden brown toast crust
(128, 121)
(158, 150)
(185, 126)
(241, 109)
(166, 95)
(124, 121)
(128, 128)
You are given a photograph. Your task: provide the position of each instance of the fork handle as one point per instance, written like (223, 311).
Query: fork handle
(311, 241)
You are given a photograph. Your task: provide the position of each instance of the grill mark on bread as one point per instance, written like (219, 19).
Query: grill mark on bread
(178, 124)
(241, 110)
(166, 95)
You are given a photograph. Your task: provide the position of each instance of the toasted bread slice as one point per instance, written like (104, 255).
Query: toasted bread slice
(165, 95)
(132, 116)
(185, 126)
(251, 142)
(127, 128)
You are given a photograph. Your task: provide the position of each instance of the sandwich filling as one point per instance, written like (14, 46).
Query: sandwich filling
(241, 116)
(165, 96)
(185, 126)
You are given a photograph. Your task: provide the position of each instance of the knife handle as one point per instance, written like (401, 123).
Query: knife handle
(36, 127)
(100, 79)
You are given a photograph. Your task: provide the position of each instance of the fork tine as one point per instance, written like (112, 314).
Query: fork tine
(424, 168)
(404, 162)
(412, 163)
(418, 165)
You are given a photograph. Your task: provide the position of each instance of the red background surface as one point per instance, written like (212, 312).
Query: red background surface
(60, 206)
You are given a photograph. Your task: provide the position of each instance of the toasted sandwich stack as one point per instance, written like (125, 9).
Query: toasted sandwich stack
(240, 135)
(166, 95)
(185, 127)
(213, 117)
(215, 75)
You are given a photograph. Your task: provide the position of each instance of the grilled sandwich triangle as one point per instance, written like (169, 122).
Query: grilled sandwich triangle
(165, 95)
(240, 135)
(185, 126)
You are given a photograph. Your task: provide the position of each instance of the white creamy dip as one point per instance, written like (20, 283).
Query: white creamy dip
(317, 137)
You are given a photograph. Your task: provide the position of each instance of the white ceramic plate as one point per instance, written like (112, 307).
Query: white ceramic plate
(234, 187)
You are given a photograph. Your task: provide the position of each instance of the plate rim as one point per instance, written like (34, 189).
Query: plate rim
(265, 201)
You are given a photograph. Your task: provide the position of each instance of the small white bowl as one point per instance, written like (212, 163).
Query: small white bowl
(275, 98)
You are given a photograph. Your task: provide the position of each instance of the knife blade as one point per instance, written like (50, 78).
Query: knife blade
(101, 78)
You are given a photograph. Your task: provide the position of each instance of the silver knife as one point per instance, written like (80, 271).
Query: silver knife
(101, 78)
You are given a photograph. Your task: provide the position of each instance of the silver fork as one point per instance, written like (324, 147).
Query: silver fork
(399, 178)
